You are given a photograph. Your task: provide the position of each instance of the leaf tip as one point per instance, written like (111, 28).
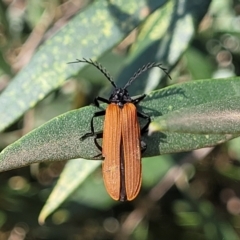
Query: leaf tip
(41, 219)
(153, 127)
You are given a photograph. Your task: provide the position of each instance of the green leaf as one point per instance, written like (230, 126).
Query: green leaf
(58, 139)
(74, 173)
(89, 34)
(217, 117)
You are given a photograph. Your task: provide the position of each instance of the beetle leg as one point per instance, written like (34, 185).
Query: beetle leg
(97, 99)
(96, 114)
(138, 99)
(144, 116)
(97, 136)
(141, 114)
(143, 146)
(144, 129)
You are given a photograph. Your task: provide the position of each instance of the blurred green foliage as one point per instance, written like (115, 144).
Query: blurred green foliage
(190, 195)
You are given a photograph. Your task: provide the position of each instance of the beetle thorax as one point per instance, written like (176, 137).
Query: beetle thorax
(120, 96)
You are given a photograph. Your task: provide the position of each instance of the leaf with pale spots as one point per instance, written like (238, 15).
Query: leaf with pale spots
(89, 34)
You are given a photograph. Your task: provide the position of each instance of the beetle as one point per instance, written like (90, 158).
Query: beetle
(121, 144)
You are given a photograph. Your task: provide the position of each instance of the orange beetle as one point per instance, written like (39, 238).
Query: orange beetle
(121, 144)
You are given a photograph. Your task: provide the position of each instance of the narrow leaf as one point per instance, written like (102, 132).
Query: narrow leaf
(75, 170)
(164, 37)
(217, 117)
(58, 139)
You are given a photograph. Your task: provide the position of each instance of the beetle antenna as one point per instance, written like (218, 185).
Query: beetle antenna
(99, 67)
(145, 68)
